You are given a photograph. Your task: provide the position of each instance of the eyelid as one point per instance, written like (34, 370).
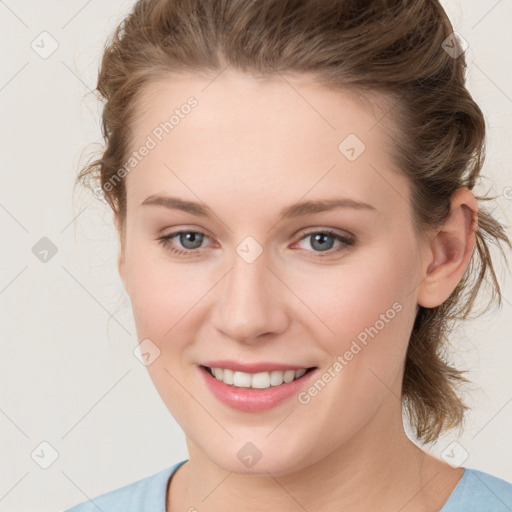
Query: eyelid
(165, 241)
(346, 240)
(319, 229)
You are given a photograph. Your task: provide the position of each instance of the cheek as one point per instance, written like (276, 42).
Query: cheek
(161, 292)
(368, 292)
(369, 307)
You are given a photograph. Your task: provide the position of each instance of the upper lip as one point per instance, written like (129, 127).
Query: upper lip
(262, 366)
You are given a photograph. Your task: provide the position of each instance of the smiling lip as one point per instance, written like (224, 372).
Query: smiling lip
(250, 399)
(253, 367)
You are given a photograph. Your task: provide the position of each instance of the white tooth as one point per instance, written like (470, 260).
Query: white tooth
(217, 373)
(289, 375)
(242, 380)
(276, 378)
(228, 376)
(260, 380)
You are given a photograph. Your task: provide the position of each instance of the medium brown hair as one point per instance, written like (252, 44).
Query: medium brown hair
(394, 48)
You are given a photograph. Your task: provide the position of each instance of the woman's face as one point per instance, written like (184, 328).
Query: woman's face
(251, 286)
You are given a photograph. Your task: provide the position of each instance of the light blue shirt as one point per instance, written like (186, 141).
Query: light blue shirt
(475, 492)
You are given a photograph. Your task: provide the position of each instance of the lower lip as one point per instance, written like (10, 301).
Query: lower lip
(254, 400)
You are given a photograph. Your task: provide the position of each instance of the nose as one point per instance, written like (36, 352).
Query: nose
(250, 305)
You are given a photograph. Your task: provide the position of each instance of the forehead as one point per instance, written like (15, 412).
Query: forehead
(273, 137)
(291, 104)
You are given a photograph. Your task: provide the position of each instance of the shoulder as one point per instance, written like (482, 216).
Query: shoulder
(478, 491)
(145, 494)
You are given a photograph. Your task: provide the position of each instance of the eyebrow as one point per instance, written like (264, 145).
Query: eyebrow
(294, 210)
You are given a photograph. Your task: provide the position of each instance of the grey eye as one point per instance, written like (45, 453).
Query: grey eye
(321, 241)
(190, 239)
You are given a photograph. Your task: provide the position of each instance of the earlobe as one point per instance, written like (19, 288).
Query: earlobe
(450, 250)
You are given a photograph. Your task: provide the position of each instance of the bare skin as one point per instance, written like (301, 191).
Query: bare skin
(250, 148)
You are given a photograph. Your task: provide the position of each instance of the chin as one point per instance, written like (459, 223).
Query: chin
(257, 457)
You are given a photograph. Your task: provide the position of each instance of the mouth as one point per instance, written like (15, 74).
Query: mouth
(255, 386)
(258, 380)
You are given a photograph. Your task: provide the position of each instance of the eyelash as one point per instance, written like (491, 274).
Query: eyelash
(345, 242)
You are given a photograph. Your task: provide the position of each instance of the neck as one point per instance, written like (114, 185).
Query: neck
(378, 469)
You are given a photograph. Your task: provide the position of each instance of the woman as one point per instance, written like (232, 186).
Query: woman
(292, 186)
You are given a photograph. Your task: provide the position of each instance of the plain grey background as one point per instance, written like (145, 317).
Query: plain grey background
(69, 378)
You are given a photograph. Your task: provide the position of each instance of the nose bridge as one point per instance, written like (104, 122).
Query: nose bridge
(250, 303)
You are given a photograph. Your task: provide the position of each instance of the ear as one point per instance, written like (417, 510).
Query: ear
(449, 252)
